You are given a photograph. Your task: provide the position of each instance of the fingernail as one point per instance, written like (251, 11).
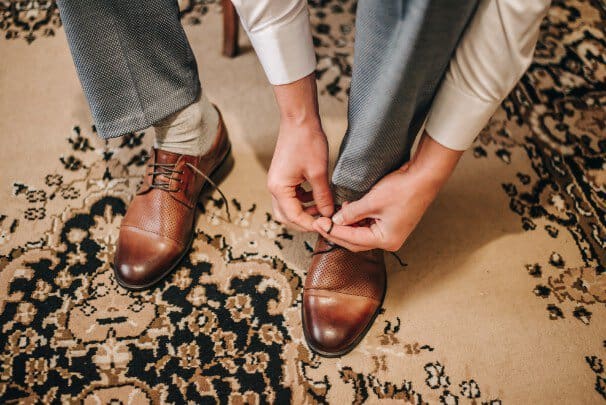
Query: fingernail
(325, 224)
(338, 218)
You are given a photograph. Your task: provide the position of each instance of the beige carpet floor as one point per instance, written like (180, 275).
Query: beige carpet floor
(502, 298)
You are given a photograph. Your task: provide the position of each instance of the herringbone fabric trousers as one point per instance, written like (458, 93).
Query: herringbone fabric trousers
(133, 60)
(136, 67)
(402, 50)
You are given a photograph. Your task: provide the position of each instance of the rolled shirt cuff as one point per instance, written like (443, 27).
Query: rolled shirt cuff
(457, 117)
(286, 51)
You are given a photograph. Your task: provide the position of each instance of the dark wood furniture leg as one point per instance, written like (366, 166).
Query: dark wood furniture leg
(230, 29)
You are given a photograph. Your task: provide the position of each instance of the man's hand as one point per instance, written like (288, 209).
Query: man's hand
(301, 155)
(389, 212)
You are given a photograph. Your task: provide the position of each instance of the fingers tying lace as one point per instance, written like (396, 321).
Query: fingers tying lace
(334, 246)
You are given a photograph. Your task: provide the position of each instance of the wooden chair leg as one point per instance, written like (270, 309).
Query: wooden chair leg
(230, 29)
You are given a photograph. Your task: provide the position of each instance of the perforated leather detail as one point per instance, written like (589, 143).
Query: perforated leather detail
(156, 211)
(361, 274)
(171, 214)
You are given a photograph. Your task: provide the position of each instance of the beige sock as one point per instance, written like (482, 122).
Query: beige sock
(190, 131)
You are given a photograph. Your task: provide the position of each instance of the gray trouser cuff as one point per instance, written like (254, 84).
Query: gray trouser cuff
(342, 194)
(136, 121)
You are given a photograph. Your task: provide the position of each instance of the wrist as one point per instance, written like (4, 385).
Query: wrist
(301, 119)
(433, 161)
(298, 102)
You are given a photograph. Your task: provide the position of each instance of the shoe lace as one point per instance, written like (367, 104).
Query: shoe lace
(214, 186)
(333, 246)
(168, 169)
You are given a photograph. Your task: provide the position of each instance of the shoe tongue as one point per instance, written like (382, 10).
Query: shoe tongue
(165, 157)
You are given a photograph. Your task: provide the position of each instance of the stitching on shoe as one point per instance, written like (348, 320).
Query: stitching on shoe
(312, 289)
(154, 233)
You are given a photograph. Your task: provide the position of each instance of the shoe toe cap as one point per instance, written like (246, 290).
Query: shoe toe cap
(142, 257)
(334, 322)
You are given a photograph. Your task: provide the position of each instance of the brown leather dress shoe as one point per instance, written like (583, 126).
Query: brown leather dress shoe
(342, 296)
(158, 228)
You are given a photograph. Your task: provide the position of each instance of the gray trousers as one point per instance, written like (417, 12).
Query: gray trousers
(136, 67)
(402, 50)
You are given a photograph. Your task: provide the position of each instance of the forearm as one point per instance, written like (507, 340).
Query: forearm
(301, 155)
(433, 161)
(298, 102)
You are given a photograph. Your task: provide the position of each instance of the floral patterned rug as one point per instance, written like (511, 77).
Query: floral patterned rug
(501, 299)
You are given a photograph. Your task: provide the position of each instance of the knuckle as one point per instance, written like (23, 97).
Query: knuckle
(393, 246)
(323, 197)
(273, 182)
(317, 174)
(371, 199)
(346, 215)
(278, 217)
(290, 217)
(272, 186)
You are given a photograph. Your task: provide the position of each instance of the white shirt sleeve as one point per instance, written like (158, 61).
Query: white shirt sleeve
(280, 32)
(493, 54)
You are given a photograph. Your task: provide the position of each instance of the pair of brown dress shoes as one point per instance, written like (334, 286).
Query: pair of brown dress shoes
(343, 290)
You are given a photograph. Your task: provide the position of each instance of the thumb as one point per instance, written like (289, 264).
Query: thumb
(353, 212)
(322, 195)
